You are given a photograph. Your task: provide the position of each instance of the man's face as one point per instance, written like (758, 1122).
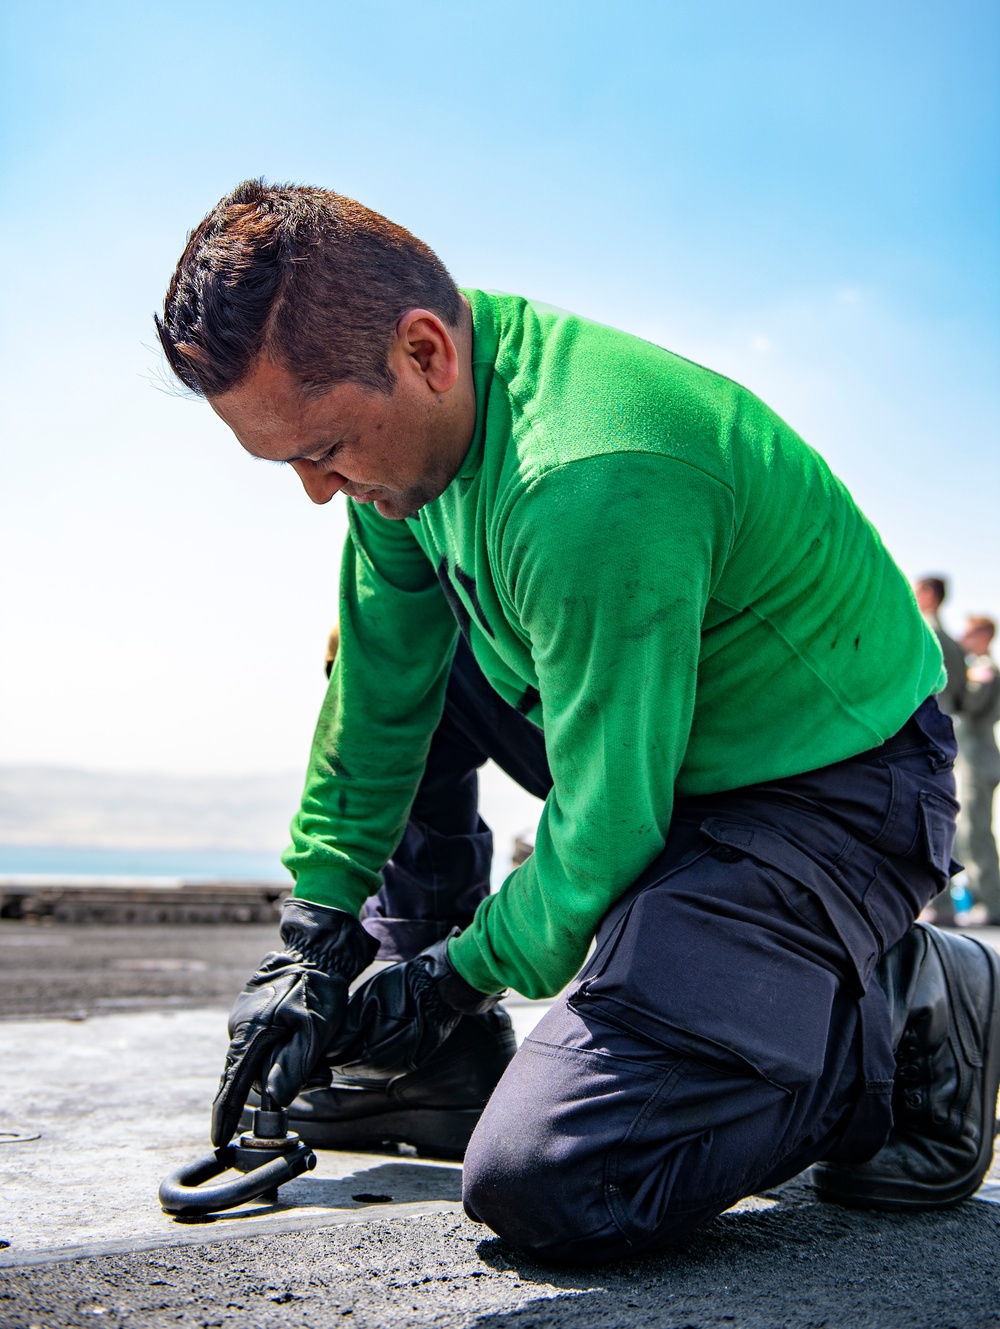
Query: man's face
(398, 450)
(976, 641)
(927, 598)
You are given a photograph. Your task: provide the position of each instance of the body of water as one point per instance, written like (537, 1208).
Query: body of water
(91, 861)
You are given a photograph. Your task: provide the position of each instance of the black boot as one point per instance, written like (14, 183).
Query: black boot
(435, 1109)
(943, 991)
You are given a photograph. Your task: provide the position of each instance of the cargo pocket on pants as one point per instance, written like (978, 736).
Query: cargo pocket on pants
(700, 969)
(937, 818)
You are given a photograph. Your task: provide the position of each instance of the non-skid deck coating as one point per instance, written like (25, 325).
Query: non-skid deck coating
(798, 1264)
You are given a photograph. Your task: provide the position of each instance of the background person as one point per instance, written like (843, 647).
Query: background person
(332, 646)
(978, 768)
(931, 593)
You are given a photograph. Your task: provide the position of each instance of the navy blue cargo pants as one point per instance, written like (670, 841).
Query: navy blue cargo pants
(727, 1031)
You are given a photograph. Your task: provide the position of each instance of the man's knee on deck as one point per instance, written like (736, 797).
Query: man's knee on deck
(570, 1175)
(558, 1202)
(531, 1189)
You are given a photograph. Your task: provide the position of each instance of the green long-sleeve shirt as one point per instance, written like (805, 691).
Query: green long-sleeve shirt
(652, 567)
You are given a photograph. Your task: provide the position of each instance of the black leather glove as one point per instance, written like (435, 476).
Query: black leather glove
(288, 1011)
(401, 1016)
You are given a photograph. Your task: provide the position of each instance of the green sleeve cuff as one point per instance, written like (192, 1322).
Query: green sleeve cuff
(466, 959)
(320, 886)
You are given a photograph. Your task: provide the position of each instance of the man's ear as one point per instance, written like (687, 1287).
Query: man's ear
(424, 341)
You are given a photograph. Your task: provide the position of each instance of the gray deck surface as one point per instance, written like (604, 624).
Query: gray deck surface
(119, 1094)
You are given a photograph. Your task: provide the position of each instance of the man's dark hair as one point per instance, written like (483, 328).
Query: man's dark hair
(314, 279)
(936, 584)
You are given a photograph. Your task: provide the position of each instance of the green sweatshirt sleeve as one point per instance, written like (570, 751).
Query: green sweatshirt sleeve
(386, 695)
(610, 562)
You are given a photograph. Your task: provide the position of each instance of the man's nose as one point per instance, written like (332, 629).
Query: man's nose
(319, 484)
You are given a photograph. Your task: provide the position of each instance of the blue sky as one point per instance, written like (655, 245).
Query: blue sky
(803, 196)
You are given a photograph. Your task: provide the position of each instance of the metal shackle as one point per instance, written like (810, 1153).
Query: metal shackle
(267, 1156)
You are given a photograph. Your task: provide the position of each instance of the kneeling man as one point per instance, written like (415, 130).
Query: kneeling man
(627, 581)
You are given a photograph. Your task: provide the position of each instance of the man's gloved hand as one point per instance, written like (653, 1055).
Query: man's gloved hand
(288, 1011)
(401, 1016)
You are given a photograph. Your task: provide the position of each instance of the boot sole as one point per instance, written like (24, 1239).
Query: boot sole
(433, 1132)
(945, 1196)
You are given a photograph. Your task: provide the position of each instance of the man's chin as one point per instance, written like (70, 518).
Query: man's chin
(394, 508)
(406, 503)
